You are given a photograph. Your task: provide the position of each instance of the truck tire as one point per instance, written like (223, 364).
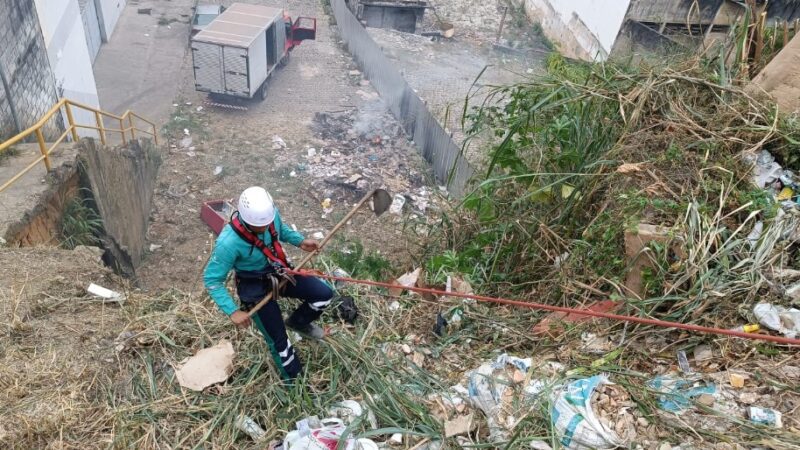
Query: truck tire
(285, 59)
(263, 89)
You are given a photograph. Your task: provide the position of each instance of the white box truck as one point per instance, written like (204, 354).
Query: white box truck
(236, 53)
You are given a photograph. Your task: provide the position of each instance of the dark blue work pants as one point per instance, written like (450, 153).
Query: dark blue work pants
(316, 295)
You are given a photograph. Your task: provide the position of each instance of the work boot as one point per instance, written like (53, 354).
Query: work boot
(311, 330)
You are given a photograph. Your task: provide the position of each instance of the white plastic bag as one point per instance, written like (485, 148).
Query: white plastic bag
(574, 420)
(775, 317)
(486, 387)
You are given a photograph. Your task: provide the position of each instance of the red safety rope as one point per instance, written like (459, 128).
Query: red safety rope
(582, 312)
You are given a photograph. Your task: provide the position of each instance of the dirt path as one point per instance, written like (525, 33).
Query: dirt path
(317, 101)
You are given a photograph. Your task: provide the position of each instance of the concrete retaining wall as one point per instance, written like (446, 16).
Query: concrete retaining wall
(122, 180)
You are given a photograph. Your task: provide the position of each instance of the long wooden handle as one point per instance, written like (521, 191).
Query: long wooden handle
(322, 244)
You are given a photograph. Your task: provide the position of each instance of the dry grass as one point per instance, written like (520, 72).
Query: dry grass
(69, 382)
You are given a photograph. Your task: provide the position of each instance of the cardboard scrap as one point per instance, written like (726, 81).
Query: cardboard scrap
(406, 280)
(207, 367)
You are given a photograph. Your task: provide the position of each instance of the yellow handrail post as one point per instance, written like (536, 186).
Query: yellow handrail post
(122, 130)
(130, 120)
(71, 122)
(99, 119)
(43, 148)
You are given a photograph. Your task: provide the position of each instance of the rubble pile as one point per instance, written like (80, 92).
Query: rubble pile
(362, 149)
(470, 14)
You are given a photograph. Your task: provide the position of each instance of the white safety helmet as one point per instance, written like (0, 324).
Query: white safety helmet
(256, 207)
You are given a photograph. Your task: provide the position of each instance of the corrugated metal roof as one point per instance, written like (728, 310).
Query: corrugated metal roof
(239, 25)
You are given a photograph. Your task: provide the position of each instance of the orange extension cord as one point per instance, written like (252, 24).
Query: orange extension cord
(583, 312)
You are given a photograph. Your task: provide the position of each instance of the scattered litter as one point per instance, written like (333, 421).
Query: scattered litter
(778, 318)
(458, 426)
(766, 170)
(278, 143)
(406, 280)
(218, 171)
(703, 353)
(440, 326)
(250, 427)
(293, 174)
(106, 294)
(677, 393)
(630, 167)
(186, 131)
(736, 380)
(540, 445)
(397, 204)
(754, 235)
(394, 306)
(313, 434)
(122, 340)
(347, 309)
(326, 205)
(199, 108)
(748, 398)
(207, 367)
(765, 416)
(592, 343)
(706, 400)
(318, 235)
(396, 439)
(793, 292)
(341, 273)
(311, 152)
(154, 247)
(683, 362)
(749, 328)
(347, 410)
(575, 421)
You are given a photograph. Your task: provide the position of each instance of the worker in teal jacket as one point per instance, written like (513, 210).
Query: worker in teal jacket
(250, 245)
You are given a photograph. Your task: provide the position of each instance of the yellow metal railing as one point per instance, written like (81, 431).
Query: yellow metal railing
(127, 129)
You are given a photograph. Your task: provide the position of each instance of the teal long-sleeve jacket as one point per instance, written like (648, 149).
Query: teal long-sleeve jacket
(232, 252)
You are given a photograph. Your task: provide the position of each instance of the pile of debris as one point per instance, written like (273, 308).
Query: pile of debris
(362, 149)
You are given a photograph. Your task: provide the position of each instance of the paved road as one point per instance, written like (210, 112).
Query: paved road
(140, 68)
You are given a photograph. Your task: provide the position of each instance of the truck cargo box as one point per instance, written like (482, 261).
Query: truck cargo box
(235, 53)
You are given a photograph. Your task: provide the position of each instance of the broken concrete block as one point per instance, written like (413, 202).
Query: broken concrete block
(635, 243)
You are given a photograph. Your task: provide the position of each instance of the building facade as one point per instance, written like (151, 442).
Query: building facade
(47, 53)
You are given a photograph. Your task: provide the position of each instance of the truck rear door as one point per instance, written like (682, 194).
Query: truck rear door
(207, 60)
(304, 28)
(236, 79)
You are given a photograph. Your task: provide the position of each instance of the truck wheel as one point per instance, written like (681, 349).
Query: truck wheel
(285, 60)
(263, 89)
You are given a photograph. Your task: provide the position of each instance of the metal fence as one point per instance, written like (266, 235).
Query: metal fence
(433, 142)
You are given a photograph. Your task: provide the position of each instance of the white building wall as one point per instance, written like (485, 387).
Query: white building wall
(602, 17)
(65, 40)
(108, 12)
(582, 29)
